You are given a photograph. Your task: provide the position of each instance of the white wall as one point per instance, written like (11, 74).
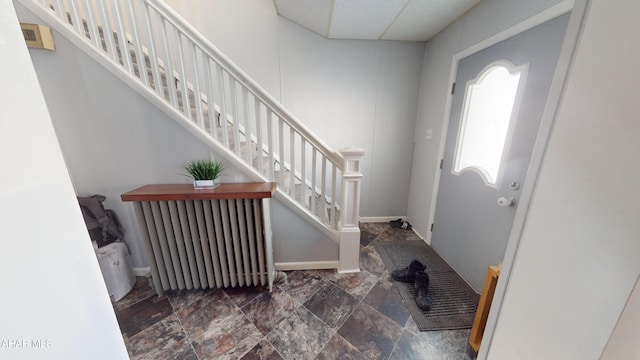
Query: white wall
(485, 20)
(349, 92)
(54, 304)
(577, 262)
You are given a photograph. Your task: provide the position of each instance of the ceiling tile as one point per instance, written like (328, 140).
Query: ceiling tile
(422, 19)
(311, 14)
(363, 19)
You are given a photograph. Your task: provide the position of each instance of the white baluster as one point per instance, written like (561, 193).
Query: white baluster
(77, 23)
(292, 163)
(106, 31)
(323, 190)
(168, 67)
(349, 230)
(182, 72)
(314, 175)
(91, 24)
(122, 38)
(140, 59)
(272, 164)
(334, 196)
(153, 59)
(247, 125)
(259, 143)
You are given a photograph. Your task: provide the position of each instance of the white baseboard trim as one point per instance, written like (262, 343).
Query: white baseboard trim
(145, 271)
(380, 219)
(306, 265)
(349, 271)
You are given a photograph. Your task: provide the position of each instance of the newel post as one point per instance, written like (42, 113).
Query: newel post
(349, 229)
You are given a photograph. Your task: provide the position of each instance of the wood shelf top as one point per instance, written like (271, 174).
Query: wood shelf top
(225, 191)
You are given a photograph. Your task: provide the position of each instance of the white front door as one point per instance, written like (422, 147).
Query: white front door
(498, 102)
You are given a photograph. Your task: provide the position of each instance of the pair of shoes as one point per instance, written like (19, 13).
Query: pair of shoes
(423, 298)
(415, 273)
(400, 224)
(408, 274)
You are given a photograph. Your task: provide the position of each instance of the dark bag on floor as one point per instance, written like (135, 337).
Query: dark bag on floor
(103, 224)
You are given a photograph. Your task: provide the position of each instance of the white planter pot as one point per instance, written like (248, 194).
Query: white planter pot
(204, 184)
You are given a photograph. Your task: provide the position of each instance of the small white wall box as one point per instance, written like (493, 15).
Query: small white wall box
(37, 36)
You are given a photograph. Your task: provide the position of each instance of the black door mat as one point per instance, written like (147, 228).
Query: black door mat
(454, 301)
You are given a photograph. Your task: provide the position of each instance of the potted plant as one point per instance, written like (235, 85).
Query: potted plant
(204, 173)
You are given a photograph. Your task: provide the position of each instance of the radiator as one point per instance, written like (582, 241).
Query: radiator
(199, 244)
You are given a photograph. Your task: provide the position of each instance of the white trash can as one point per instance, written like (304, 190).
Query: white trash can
(117, 269)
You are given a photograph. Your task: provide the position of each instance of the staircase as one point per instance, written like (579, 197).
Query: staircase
(156, 52)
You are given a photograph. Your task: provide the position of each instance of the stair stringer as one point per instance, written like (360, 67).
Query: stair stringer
(69, 33)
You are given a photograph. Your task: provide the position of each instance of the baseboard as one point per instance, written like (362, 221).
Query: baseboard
(380, 219)
(144, 271)
(349, 271)
(306, 265)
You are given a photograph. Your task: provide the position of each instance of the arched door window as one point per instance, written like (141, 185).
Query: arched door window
(489, 111)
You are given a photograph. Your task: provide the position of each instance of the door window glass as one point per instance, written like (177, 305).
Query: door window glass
(489, 111)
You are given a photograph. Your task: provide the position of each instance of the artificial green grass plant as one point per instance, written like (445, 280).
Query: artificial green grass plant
(204, 169)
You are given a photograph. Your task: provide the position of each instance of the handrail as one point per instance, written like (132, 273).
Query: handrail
(257, 90)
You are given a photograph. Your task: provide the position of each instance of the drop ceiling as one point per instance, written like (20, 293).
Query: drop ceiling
(409, 20)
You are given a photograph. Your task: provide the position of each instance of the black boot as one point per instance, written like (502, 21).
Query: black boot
(423, 299)
(408, 274)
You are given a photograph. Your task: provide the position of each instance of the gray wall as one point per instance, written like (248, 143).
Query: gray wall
(577, 262)
(349, 92)
(54, 301)
(113, 141)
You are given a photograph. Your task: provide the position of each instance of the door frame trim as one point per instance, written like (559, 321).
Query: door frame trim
(565, 61)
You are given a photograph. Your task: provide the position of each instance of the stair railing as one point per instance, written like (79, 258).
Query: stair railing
(152, 43)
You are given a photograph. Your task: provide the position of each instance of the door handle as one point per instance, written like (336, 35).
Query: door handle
(506, 201)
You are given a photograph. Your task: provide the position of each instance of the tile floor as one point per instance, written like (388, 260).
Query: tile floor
(314, 315)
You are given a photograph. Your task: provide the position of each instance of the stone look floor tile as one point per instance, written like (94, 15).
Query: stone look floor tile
(180, 299)
(370, 261)
(141, 291)
(263, 351)
(143, 314)
(366, 237)
(268, 309)
(375, 228)
(203, 314)
(397, 234)
(452, 343)
(242, 295)
(301, 285)
(372, 333)
(300, 336)
(385, 298)
(228, 337)
(357, 284)
(332, 305)
(409, 348)
(164, 340)
(339, 348)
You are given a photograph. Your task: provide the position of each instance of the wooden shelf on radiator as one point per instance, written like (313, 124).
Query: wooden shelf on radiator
(226, 191)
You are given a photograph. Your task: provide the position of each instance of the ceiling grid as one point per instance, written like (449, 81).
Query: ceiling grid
(408, 20)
